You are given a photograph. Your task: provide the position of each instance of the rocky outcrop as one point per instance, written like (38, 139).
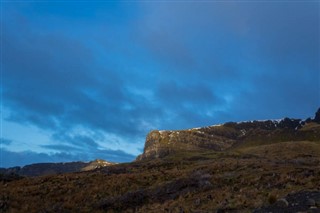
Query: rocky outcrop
(162, 143)
(155, 146)
(226, 136)
(317, 117)
(96, 164)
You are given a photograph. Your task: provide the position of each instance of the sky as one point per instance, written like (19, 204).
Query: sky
(82, 80)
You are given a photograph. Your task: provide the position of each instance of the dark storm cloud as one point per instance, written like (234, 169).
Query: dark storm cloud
(188, 104)
(169, 48)
(281, 91)
(52, 81)
(175, 94)
(231, 47)
(192, 38)
(264, 56)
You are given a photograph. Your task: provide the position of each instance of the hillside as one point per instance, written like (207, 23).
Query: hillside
(39, 169)
(270, 168)
(230, 136)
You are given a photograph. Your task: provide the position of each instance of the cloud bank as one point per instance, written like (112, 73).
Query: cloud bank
(98, 80)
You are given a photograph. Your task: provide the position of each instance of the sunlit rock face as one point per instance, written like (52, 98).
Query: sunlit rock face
(162, 143)
(39, 169)
(226, 136)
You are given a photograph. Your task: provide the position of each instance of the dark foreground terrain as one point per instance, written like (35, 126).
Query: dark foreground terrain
(241, 180)
(278, 175)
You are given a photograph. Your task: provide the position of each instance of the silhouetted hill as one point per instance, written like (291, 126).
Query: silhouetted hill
(39, 169)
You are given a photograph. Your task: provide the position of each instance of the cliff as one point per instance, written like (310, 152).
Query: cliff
(162, 143)
(230, 135)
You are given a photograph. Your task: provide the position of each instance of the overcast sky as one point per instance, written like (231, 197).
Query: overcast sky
(86, 80)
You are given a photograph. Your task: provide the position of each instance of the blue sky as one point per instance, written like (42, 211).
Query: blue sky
(86, 80)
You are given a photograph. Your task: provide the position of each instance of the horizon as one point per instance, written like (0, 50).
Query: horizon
(91, 160)
(88, 80)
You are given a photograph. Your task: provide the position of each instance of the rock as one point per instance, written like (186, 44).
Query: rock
(96, 164)
(153, 147)
(282, 203)
(289, 123)
(181, 210)
(302, 201)
(128, 200)
(4, 204)
(205, 184)
(159, 144)
(317, 116)
(197, 202)
(311, 202)
(308, 120)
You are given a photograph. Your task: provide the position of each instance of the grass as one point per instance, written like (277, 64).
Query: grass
(258, 170)
(241, 179)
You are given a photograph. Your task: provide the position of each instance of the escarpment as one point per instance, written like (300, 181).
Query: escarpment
(162, 143)
(230, 135)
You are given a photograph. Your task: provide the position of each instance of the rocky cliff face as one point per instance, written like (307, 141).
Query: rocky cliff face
(162, 143)
(317, 116)
(228, 135)
(96, 164)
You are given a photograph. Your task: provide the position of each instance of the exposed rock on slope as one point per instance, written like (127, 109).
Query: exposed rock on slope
(228, 135)
(161, 143)
(303, 201)
(39, 169)
(96, 164)
(317, 117)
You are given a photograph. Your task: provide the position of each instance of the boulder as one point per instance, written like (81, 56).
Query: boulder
(317, 116)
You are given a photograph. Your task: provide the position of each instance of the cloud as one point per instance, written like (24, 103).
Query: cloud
(4, 141)
(53, 81)
(61, 147)
(177, 95)
(264, 65)
(76, 142)
(104, 80)
(188, 104)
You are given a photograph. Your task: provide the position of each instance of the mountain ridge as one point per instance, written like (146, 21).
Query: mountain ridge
(40, 169)
(160, 143)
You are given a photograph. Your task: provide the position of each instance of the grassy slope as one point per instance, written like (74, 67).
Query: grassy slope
(240, 179)
(243, 178)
